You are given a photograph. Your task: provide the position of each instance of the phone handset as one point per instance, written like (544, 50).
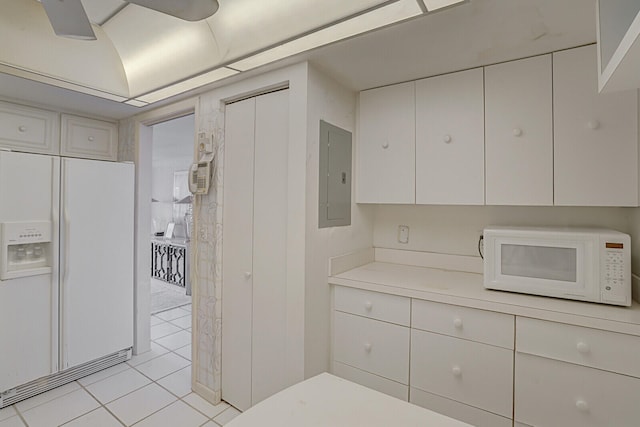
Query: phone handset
(200, 174)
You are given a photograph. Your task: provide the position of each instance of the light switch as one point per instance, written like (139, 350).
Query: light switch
(403, 234)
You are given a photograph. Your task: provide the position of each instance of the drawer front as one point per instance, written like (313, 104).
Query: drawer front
(465, 413)
(553, 393)
(372, 381)
(29, 129)
(88, 138)
(610, 351)
(473, 373)
(373, 346)
(463, 322)
(389, 308)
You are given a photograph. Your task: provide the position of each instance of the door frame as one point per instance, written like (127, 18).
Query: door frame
(142, 134)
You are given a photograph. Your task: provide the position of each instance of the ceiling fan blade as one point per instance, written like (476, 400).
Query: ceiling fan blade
(189, 10)
(69, 19)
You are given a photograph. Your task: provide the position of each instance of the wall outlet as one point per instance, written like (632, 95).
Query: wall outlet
(403, 234)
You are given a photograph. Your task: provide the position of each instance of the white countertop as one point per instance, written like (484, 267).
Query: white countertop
(466, 289)
(329, 401)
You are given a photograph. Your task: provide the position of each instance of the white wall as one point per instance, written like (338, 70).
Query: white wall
(455, 229)
(331, 102)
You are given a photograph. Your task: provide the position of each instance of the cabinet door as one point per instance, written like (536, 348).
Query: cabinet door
(450, 139)
(552, 393)
(88, 138)
(519, 145)
(595, 135)
(29, 129)
(386, 145)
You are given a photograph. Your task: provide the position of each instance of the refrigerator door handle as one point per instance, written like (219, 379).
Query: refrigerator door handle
(64, 292)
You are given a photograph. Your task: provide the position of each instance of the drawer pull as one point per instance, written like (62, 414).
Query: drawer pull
(456, 371)
(247, 275)
(457, 323)
(367, 347)
(582, 405)
(368, 305)
(583, 347)
(91, 138)
(22, 128)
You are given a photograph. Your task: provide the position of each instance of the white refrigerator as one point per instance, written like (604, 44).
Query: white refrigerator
(66, 269)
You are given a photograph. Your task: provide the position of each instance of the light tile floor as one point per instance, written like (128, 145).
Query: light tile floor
(150, 390)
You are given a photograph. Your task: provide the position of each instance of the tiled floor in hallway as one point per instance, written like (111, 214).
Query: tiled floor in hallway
(150, 390)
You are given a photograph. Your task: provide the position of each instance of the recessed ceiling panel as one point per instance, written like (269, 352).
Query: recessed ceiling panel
(242, 27)
(27, 42)
(158, 49)
(99, 11)
(380, 17)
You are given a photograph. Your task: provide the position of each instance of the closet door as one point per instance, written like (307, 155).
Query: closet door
(270, 245)
(255, 249)
(237, 249)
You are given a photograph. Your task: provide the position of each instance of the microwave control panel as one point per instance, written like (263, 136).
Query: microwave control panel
(615, 274)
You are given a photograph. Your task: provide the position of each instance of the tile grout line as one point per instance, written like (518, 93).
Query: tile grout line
(81, 386)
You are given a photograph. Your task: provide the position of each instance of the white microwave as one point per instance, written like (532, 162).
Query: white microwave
(572, 263)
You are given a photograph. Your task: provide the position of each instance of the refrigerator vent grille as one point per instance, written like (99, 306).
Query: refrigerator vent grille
(58, 379)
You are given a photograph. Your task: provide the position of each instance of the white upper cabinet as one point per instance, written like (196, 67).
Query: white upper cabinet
(519, 134)
(386, 145)
(595, 135)
(88, 138)
(29, 129)
(450, 139)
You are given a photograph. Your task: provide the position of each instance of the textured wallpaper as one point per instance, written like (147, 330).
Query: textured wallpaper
(207, 255)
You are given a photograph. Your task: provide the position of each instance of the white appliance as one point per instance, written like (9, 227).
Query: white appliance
(66, 270)
(582, 264)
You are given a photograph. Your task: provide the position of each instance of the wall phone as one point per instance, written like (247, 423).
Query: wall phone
(201, 172)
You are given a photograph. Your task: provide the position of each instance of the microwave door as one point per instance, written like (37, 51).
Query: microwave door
(554, 269)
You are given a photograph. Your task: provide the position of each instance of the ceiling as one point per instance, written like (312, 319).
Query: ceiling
(478, 32)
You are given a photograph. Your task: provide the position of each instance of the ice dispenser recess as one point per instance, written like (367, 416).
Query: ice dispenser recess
(26, 249)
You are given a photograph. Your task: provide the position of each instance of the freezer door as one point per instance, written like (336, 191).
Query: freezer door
(96, 259)
(29, 186)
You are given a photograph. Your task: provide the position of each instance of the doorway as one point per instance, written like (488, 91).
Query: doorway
(171, 219)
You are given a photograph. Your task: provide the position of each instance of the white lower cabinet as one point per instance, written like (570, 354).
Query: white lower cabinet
(460, 361)
(375, 382)
(377, 347)
(553, 393)
(469, 372)
(460, 411)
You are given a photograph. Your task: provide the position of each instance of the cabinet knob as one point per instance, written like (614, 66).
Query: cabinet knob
(457, 322)
(583, 347)
(247, 275)
(368, 305)
(582, 405)
(22, 128)
(367, 347)
(385, 145)
(593, 124)
(456, 371)
(91, 138)
(517, 132)
(447, 139)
